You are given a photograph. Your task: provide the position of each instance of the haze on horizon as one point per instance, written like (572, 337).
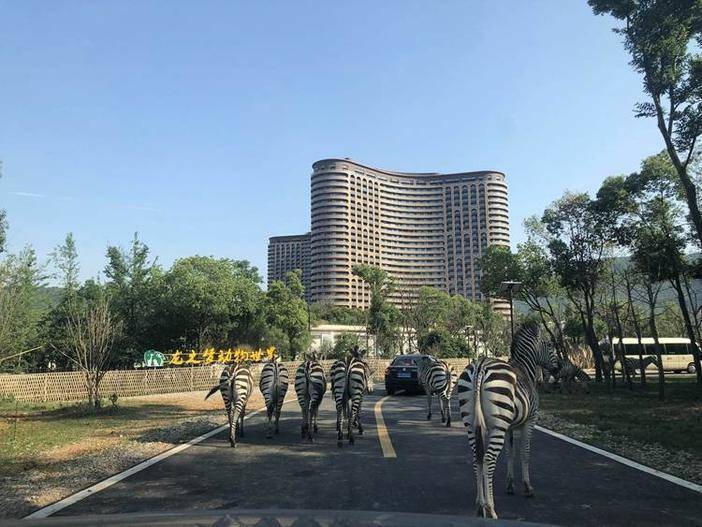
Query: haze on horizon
(196, 124)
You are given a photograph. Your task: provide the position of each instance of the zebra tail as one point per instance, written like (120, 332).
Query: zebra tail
(479, 418)
(214, 389)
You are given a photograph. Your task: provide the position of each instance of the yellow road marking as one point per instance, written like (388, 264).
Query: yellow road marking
(383, 435)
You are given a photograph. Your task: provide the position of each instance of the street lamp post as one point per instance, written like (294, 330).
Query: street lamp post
(510, 287)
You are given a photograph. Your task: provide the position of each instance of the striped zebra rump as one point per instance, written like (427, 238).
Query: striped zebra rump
(337, 373)
(310, 386)
(235, 385)
(273, 385)
(437, 378)
(499, 401)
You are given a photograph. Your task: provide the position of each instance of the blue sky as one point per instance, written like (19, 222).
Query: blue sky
(196, 123)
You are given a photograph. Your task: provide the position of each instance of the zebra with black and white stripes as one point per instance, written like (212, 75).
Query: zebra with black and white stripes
(235, 385)
(634, 366)
(350, 379)
(310, 386)
(274, 386)
(499, 399)
(437, 378)
(567, 372)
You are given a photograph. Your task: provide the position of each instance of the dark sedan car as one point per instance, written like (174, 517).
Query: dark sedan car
(401, 374)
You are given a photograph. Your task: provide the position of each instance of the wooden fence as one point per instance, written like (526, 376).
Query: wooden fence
(70, 385)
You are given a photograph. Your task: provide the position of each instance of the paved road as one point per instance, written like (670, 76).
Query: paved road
(431, 474)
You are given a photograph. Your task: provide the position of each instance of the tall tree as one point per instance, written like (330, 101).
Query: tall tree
(132, 280)
(91, 328)
(196, 298)
(382, 316)
(20, 278)
(65, 260)
(286, 312)
(577, 239)
(662, 37)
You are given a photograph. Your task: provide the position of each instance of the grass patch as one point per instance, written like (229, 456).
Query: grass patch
(675, 424)
(33, 434)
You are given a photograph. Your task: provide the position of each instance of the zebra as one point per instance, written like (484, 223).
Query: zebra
(632, 365)
(274, 386)
(310, 386)
(235, 384)
(499, 399)
(350, 378)
(437, 378)
(568, 372)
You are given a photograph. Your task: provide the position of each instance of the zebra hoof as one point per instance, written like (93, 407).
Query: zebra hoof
(428, 417)
(448, 424)
(360, 432)
(316, 430)
(528, 491)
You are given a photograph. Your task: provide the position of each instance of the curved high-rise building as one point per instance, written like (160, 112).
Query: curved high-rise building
(425, 229)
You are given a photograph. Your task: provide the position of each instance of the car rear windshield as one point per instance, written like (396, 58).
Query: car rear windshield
(403, 361)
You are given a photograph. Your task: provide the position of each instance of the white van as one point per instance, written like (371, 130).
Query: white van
(676, 353)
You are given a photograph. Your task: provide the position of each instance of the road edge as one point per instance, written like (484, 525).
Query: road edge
(624, 461)
(57, 506)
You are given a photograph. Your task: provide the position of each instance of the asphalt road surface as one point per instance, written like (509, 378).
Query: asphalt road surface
(431, 473)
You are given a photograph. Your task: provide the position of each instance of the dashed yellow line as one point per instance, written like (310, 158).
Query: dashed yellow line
(383, 434)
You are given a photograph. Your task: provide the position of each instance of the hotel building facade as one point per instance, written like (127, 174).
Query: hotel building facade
(424, 229)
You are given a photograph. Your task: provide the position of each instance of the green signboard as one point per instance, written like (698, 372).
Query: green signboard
(153, 358)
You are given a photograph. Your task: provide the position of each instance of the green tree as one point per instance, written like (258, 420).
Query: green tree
(578, 237)
(540, 290)
(344, 344)
(20, 278)
(286, 313)
(663, 38)
(65, 260)
(382, 317)
(197, 295)
(133, 279)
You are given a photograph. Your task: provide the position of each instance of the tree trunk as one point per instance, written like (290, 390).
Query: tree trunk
(654, 332)
(687, 183)
(677, 285)
(637, 329)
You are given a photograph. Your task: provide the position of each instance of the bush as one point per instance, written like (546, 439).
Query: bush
(440, 344)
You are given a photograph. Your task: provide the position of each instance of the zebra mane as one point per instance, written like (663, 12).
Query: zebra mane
(528, 331)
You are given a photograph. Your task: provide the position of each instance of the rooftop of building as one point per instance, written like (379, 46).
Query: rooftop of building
(289, 238)
(406, 174)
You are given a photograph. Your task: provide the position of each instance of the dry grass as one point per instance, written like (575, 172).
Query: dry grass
(661, 434)
(48, 451)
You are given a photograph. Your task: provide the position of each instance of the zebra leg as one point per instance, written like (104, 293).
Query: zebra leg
(269, 413)
(526, 450)
(448, 412)
(278, 409)
(339, 421)
(350, 423)
(510, 461)
(232, 427)
(489, 463)
(241, 420)
(358, 416)
(305, 410)
(478, 471)
(428, 404)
